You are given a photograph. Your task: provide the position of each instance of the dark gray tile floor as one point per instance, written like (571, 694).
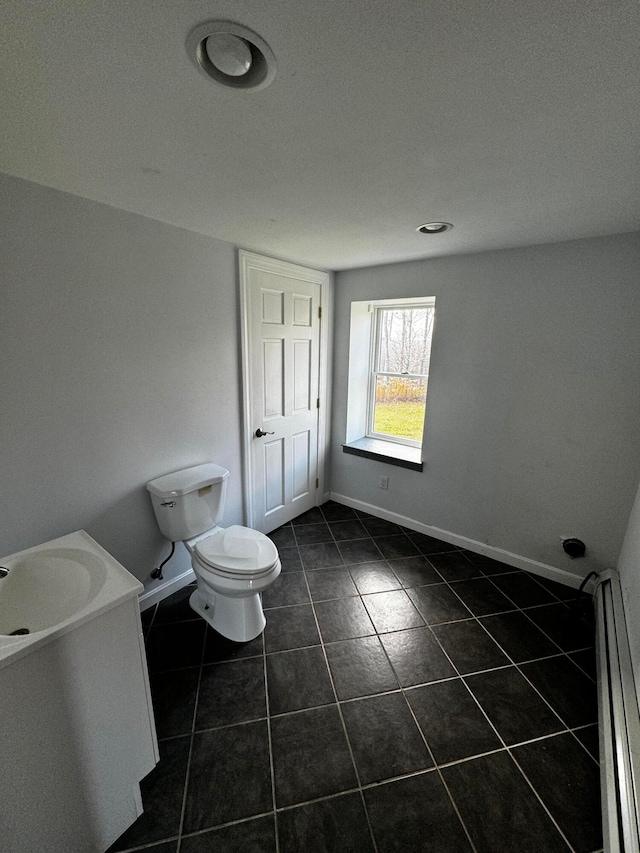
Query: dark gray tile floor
(406, 696)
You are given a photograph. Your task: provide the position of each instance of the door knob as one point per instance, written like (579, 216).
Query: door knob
(261, 432)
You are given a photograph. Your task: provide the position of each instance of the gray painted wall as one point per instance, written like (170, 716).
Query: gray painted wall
(533, 414)
(119, 362)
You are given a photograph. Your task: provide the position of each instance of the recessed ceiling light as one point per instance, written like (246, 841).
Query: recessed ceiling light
(231, 55)
(434, 227)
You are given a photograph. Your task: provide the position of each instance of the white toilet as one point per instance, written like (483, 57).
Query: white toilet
(232, 566)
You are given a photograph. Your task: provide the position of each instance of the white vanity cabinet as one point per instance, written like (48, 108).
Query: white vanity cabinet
(76, 733)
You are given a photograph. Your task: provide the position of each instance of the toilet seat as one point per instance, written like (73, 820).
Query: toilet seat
(247, 577)
(237, 552)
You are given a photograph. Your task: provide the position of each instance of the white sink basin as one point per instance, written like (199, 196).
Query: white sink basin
(46, 587)
(55, 587)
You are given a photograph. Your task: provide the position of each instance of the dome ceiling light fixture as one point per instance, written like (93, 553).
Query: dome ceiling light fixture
(434, 227)
(232, 55)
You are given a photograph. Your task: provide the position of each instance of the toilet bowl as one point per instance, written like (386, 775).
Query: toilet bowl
(233, 566)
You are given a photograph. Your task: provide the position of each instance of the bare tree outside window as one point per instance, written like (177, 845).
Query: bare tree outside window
(400, 372)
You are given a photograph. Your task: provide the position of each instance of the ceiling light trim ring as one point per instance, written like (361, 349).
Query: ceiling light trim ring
(434, 227)
(262, 68)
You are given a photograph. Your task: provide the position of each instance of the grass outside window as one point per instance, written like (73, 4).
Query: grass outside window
(400, 419)
(399, 409)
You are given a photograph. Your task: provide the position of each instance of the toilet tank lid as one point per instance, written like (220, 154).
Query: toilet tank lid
(188, 480)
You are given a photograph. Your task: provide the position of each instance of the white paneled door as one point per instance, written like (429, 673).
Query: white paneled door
(281, 352)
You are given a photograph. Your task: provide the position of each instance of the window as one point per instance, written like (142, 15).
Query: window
(400, 351)
(389, 352)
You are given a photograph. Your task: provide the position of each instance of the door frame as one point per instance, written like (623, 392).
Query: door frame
(246, 262)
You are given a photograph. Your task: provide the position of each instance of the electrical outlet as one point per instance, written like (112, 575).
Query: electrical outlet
(383, 482)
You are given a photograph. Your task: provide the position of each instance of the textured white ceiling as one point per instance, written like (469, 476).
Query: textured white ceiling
(517, 121)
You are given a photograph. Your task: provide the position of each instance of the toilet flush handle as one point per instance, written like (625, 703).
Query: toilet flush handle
(261, 432)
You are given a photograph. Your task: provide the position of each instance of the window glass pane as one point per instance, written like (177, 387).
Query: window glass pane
(404, 340)
(399, 407)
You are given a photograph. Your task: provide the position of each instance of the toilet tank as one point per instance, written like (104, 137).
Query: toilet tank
(189, 502)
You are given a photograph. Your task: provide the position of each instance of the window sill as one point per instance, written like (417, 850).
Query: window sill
(386, 451)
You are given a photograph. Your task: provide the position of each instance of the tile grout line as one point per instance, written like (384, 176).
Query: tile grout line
(506, 748)
(225, 825)
(524, 610)
(539, 798)
(148, 846)
(193, 726)
(409, 688)
(566, 728)
(344, 727)
(584, 746)
(431, 755)
(270, 743)
(460, 677)
(561, 652)
(518, 666)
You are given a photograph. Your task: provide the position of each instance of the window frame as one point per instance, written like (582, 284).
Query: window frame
(377, 308)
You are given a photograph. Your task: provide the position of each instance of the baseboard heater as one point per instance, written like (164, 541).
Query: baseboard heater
(619, 722)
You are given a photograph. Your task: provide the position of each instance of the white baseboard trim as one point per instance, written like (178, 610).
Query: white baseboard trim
(152, 596)
(515, 560)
